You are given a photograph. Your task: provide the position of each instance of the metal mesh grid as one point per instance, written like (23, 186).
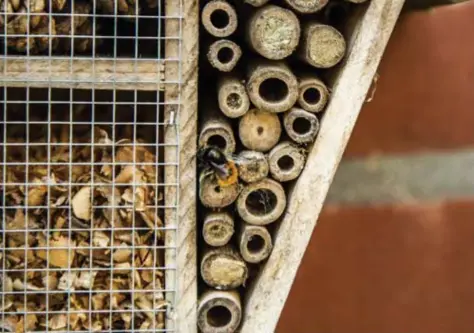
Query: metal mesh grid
(89, 219)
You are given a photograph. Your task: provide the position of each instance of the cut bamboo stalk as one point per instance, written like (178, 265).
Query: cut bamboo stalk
(307, 6)
(219, 18)
(224, 55)
(256, 3)
(253, 166)
(223, 268)
(83, 74)
(218, 228)
(232, 97)
(212, 195)
(259, 130)
(216, 131)
(272, 86)
(300, 125)
(262, 202)
(313, 94)
(219, 311)
(322, 46)
(286, 161)
(255, 243)
(273, 32)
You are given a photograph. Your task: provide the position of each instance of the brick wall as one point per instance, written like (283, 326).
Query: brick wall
(393, 250)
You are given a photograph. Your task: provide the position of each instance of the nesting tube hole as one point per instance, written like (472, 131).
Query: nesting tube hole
(219, 316)
(273, 90)
(286, 163)
(217, 141)
(255, 244)
(225, 55)
(261, 202)
(220, 19)
(217, 189)
(312, 96)
(234, 101)
(301, 125)
(260, 130)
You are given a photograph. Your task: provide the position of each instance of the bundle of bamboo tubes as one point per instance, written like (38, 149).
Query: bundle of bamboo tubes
(268, 62)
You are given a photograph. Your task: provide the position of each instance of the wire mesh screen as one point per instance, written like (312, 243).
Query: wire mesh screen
(88, 214)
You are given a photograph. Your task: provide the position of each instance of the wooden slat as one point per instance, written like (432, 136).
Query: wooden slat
(267, 296)
(82, 73)
(181, 109)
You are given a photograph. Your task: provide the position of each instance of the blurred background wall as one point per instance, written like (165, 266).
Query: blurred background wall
(393, 250)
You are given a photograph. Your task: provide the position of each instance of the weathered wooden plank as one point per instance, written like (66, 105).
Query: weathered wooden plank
(82, 73)
(181, 114)
(267, 296)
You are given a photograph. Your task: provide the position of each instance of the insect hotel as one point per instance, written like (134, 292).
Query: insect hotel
(164, 162)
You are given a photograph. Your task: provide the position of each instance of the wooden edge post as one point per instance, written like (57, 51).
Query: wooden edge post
(181, 116)
(267, 296)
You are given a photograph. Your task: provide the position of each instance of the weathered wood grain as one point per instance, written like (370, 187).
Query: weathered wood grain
(82, 73)
(181, 114)
(266, 298)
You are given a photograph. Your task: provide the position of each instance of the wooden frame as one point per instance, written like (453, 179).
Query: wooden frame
(368, 37)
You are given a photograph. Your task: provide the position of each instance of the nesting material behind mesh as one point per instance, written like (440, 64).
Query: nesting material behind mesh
(82, 246)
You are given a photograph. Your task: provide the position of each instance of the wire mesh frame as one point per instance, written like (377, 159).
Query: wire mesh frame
(163, 297)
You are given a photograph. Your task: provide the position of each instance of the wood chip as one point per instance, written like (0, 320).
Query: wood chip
(81, 204)
(58, 321)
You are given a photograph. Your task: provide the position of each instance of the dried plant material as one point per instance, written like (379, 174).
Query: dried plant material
(19, 285)
(61, 258)
(100, 239)
(50, 281)
(122, 254)
(81, 204)
(9, 324)
(58, 321)
(36, 195)
(85, 280)
(67, 281)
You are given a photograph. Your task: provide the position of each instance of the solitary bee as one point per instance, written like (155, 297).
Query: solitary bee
(223, 166)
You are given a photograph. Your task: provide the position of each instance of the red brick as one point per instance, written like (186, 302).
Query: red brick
(425, 94)
(391, 269)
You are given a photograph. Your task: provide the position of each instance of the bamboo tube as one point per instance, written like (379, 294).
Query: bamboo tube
(255, 243)
(307, 6)
(216, 131)
(322, 46)
(219, 18)
(256, 3)
(313, 94)
(218, 228)
(300, 125)
(232, 97)
(286, 161)
(212, 195)
(259, 130)
(273, 32)
(224, 55)
(253, 166)
(223, 268)
(219, 311)
(262, 202)
(272, 86)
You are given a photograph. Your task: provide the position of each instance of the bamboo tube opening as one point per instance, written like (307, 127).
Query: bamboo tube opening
(223, 268)
(255, 243)
(219, 311)
(214, 196)
(232, 97)
(259, 130)
(253, 166)
(286, 161)
(272, 86)
(217, 141)
(313, 95)
(273, 32)
(217, 131)
(300, 125)
(219, 18)
(218, 229)
(224, 55)
(262, 202)
(322, 45)
(307, 6)
(219, 316)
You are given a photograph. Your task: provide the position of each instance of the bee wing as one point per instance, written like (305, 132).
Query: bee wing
(220, 169)
(240, 160)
